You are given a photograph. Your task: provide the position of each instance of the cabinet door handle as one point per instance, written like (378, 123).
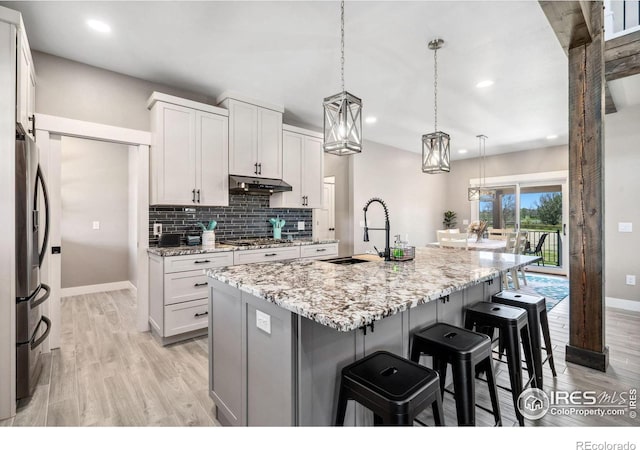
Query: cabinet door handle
(259, 168)
(206, 313)
(198, 195)
(200, 284)
(202, 262)
(321, 249)
(193, 195)
(270, 254)
(256, 168)
(32, 131)
(332, 229)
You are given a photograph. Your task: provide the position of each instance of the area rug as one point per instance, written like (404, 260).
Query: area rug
(553, 288)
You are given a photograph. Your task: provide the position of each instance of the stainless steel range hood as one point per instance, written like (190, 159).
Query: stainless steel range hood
(239, 184)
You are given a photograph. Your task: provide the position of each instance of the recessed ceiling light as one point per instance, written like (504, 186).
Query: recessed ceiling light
(462, 151)
(552, 136)
(484, 84)
(371, 119)
(98, 26)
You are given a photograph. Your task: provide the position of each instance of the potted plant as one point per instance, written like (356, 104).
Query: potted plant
(449, 220)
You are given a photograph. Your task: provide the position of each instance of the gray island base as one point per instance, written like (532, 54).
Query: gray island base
(280, 333)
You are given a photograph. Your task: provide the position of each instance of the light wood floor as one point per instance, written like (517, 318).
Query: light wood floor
(108, 374)
(105, 373)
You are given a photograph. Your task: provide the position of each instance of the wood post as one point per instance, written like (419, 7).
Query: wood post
(586, 198)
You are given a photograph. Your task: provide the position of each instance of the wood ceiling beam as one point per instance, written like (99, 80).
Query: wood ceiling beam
(571, 21)
(622, 56)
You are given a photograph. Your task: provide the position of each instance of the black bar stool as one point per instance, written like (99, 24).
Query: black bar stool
(395, 389)
(536, 307)
(510, 321)
(464, 350)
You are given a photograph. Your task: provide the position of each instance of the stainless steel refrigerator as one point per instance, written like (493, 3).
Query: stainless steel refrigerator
(32, 328)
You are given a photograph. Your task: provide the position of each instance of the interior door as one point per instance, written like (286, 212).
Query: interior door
(325, 216)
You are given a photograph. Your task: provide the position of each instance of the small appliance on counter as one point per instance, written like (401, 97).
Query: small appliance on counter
(169, 240)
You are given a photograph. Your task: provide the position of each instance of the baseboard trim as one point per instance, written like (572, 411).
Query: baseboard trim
(93, 288)
(621, 303)
(588, 358)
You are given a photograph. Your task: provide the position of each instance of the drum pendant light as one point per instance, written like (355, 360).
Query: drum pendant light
(436, 145)
(342, 114)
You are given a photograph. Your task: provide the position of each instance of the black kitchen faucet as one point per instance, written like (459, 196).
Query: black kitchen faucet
(387, 250)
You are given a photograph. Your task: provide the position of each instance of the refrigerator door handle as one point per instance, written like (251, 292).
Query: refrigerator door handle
(45, 196)
(41, 339)
(43, 298)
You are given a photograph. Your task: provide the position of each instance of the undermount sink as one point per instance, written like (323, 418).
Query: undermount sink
(345, 260)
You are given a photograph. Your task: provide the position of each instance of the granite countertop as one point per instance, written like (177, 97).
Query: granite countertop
(346, 297)
(197, 249)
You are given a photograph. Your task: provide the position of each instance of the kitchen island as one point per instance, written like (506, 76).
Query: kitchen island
(279, 333)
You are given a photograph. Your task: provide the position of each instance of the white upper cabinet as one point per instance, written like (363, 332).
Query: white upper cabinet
(189, 152)
(255, 137)
(303, 169)
(26, 86)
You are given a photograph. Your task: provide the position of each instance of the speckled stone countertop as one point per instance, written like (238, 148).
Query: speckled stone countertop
(197, 249)
(346, 297)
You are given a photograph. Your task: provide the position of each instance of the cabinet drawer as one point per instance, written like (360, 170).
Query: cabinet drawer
(319, 251)
(265, 255)
(184, 317)
(197, 262)
(184, 286)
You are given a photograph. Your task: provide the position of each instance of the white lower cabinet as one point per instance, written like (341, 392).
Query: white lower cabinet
(178, 285)
(178, 295)
(265, 255)
(319, 251)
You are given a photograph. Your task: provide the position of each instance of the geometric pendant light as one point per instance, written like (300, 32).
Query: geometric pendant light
(475, 192)
(342, 114)
(436, 145)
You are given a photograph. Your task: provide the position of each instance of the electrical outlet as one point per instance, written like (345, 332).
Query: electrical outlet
(96, 225)
(625, 227)
(263, 321)
(157, 229)
(301, 225)
(362, 224)
(631, 280)
(465, 222)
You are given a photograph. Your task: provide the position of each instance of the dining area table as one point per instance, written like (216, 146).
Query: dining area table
(484, 245)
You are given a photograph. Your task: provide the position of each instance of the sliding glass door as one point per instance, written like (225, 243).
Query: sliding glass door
(533, 203)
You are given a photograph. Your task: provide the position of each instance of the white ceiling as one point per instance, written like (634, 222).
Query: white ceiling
(288, 53)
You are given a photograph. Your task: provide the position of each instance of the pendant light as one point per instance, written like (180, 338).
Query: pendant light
(475, 192)
(342, 114)
(435, 146)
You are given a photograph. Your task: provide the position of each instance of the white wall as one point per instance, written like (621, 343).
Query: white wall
(70, 89)
(338, 167)
(415, 200)
(133, 216)
(94, 187)
(622, 186)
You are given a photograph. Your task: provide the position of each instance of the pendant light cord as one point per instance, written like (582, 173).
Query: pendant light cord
(435, 87)
(342, 43)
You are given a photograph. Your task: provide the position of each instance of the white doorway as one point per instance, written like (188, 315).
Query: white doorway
(49, 133)
(325, 218)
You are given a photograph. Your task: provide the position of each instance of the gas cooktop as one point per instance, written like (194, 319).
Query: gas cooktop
(247, 242)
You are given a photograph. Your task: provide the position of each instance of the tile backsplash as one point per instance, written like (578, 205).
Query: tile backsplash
(246, 216)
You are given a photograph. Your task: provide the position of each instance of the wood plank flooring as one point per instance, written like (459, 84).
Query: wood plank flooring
(108, 374)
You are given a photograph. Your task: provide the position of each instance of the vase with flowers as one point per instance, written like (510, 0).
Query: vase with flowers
(477, 227)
